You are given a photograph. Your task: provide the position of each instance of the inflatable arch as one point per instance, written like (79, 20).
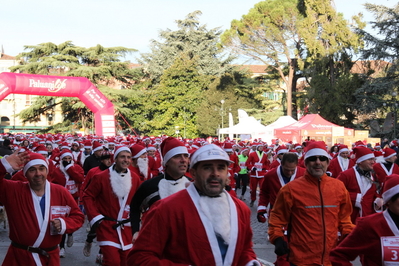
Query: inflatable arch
(58, 86)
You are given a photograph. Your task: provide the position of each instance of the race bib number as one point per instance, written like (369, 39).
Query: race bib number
(71, 186)
(258, 166)
(390, 250)
(59, 212)
(126, 212)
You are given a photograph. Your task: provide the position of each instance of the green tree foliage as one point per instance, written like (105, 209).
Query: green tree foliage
(187, 74)
(194, 40)
(177, 95)
(384, 45)
(269, 34)
(330, 46)
(102, 66)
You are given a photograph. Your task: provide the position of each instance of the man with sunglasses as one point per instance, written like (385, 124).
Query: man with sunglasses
(315, 208)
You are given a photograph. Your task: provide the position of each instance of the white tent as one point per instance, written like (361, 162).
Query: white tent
(282, 121)
(247, 127)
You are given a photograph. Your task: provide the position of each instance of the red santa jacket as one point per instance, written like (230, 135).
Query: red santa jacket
(74, 176)
(276, 163)
(365, 241)
(362, 196)
(24, 215)
(154, 166)
(272, 183)
(381, 172)
(100, 201)
(261, 163)
(180, 234)
(336, 168)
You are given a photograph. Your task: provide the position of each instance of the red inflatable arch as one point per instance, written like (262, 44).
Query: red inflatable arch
(103, 109)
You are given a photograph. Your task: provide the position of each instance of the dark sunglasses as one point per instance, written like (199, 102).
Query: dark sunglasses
(314, 158)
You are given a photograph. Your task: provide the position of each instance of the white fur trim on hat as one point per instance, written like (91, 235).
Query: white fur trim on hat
(389, 156)
(65, 154)
(140, 153)
(343, 149)
(173, 152)
(282, 151)
(209, 152)
(34, 162)
(42, 152)
(98, 148)
(365, 157)
(388, 194)
(124, 148)
(316, 152)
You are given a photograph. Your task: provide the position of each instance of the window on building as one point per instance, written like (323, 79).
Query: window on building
(29, 99)
(5, 121)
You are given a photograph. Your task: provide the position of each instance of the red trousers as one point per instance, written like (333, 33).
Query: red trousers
(253, 184)
(113, 256)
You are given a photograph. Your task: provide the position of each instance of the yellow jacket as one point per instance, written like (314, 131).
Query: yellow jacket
(314, 211)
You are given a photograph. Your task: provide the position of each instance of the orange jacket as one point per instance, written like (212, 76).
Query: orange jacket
(314, 210)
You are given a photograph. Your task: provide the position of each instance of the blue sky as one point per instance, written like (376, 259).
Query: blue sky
(128, 23)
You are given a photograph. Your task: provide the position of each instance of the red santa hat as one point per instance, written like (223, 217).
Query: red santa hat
(244, 149)
(228, 147)
(65, 153)
(64, 145)
(209, 153)
(97, 146)
(281, 149)
(41, 149)
(87, 144)
(359, 143)
(391, 187)
(171, 147)
(35, 159)
(119, 149)
(388, 153)
(378, 153)
(377, 145)
(362, 154)
(316, 148)
(151, 148)
(137, 150)
(343, 148)
(298, 146)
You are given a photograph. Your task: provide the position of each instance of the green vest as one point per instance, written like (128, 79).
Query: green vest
(241, 162)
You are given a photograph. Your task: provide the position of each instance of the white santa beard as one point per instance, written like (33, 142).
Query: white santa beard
(215, 209)
(169, 187)
(142, 164)
(120, 185)
(344, 162)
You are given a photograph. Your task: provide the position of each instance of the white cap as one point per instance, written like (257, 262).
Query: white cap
(209, 152)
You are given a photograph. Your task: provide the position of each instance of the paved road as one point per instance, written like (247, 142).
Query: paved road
(74, 256)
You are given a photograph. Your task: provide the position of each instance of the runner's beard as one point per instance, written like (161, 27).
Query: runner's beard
(142, 164)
